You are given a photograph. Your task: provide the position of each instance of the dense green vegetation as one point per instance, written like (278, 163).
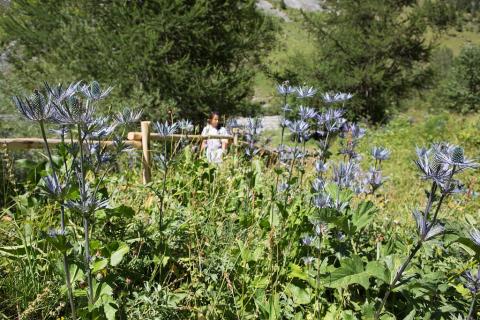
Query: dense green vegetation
(184, 56)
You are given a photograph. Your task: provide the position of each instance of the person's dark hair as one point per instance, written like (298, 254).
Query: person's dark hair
(212, 115)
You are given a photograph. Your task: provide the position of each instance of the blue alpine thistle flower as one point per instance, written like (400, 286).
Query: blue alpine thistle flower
(318, 185)
(300, 129)
(321, 166)
(472, 280)
(35, 108)
(431, 167)
(337, 97)
(454, 156)
(58, 94)
(306, 113)
(127, 116)
(321, 229)
(185, 125)
(352, 130)
(344, 174)
(282, 187)
(380, 153)
(475, 236)
(374, 178)
(307, 240)
(73, 112)
(285, 88)
(93, 91)
(308, 260)
(305, 92)
(322, 200)
(165, 129)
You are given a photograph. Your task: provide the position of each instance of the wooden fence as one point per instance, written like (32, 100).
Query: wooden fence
(138, 140)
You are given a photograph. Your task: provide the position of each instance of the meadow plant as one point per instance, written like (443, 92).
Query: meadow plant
(439, 165)
(74, 110)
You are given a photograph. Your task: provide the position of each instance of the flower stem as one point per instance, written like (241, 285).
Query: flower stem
(472, 307)
(85, 218)
(393, 284)
(62, 224)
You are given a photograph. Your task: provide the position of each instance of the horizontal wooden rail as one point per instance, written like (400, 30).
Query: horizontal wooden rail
(38, 143)
(137, 136)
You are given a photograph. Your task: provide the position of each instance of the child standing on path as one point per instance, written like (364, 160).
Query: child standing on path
(215, 147)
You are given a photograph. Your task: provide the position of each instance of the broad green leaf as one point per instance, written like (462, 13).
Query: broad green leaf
(350, 272)
(99, 265)
(174, 299)
(378, 270)
(411, 315)
(353, 271)
(110, 310)
(363, 215)
(297, 272)
(118, 254)
(299, 295)
(261, 282)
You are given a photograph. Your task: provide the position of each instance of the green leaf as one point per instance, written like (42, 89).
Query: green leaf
(174, 299)
(109, 310)
(99, 265)
(274, 307)
(118, 254)
(363, 215)
(350, 272)
(297, 272)
(299, 295)
(353, 271)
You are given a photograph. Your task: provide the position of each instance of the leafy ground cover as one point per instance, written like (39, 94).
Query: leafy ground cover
(326, 238)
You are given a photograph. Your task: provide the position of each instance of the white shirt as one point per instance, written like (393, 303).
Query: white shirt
(214, 146)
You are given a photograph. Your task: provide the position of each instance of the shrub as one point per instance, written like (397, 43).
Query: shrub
(461, 91)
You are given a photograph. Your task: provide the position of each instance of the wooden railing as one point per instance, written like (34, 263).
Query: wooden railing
(138, 140)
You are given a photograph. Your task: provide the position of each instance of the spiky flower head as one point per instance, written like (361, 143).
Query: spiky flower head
(307, 240)
(321, 229)
(127, 116)
(165, 129)
(352, 130)
(94, 92)
(329, 97)
(308, 260)
(318, 185)
(380, 153)
(58, 94)
(73, 112)
(472, 280)
(322, 200)
(305, 92)
(300, 129)
(345, 173)
(285, 88)
(453, 156)
(321, 166)
(34, 108)
(431, 167)
(475, 236)
(185, 125)
(306, 113)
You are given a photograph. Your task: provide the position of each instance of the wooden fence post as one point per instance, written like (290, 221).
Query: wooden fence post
(235, 137)
(146, 156)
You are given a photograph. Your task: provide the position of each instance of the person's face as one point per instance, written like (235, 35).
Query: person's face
(214, 121)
